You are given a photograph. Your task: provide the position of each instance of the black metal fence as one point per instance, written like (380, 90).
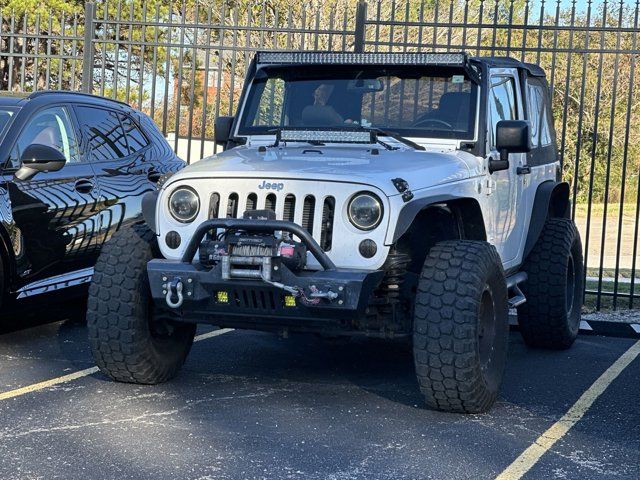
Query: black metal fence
(184, 63)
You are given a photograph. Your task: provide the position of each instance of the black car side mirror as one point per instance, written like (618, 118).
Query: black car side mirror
(512, 136)
(222, 130)
(39, 158)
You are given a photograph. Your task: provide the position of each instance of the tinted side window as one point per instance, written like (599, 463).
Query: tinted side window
(51, 127)
(502, 102)
(539, 115)
(104, 133)
(135, 138)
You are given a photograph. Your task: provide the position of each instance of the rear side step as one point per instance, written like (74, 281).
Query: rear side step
(516, 297)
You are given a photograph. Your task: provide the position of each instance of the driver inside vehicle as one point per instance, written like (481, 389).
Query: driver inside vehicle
(320, 114)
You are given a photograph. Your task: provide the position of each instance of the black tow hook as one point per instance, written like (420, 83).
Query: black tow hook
(174, 296)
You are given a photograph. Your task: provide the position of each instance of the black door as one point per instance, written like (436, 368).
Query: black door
(117, 149)
(55, 212)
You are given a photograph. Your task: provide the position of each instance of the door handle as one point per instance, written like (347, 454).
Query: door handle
(84, 186)
(525, 170)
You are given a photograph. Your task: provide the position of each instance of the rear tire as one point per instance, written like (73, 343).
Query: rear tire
(550, 318)
(461, 326)
(131, 340)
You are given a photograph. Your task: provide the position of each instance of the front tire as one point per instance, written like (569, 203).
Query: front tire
(461, 326)
(131, 340)
(550, 318)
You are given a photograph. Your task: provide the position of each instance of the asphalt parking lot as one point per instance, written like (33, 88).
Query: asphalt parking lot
(251, 405)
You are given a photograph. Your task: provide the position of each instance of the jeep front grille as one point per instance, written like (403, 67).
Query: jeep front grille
(317, 205)
(287, 207)
(270, 203)
(252, 201)
(232, 206)
(308, 212)
(328, 210)
(214, 205)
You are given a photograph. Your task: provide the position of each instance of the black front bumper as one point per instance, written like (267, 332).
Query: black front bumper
(210, 298)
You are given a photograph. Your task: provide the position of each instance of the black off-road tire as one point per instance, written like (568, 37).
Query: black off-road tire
(461, 326)
(130, 339)
(550, 318)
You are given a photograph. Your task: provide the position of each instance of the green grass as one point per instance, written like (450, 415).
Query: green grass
(615, 239)
(629, 215)
(610, 273)
(606, 301)
(613, 210)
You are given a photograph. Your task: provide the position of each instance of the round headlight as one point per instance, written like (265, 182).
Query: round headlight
(184, 204)
(365, 211)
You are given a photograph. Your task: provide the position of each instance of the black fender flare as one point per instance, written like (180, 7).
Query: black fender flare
(551, 201)
(411, 210)
(149, 202)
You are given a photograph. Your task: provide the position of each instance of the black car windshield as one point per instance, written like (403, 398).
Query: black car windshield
(407, 100)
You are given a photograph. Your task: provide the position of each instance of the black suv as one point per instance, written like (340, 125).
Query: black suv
(74, 170)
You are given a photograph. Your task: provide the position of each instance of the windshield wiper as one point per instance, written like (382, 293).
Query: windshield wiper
(395, 136)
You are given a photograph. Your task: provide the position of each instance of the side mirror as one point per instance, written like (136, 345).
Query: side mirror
(222, 130)
(39, 158)
(512, 136)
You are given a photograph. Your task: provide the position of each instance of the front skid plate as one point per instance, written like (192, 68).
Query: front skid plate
(206, 294)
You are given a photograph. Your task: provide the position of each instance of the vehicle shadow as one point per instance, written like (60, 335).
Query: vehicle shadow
(20, 318)
(72, 337)
(381, 367)
(384, 368)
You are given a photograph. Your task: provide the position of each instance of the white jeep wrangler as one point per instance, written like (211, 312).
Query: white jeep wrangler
(392, 195)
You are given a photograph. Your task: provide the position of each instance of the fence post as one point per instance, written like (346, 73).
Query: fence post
(87, 52)
(360, 30)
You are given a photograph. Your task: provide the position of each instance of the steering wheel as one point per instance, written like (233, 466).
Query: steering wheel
(432, 120)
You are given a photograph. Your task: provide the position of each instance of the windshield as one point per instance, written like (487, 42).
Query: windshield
(5, 119)
(407, 100)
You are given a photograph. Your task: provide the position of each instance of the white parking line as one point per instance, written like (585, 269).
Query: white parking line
(212, 334)
(86, 372)
(48, 383)
(544, 442)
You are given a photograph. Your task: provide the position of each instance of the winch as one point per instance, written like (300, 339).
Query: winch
(253, 255)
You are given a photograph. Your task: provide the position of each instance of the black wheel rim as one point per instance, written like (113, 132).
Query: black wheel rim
(571, 284)
(487, 330)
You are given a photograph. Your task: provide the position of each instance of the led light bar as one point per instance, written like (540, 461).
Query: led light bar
(326, 136)
(368, 58)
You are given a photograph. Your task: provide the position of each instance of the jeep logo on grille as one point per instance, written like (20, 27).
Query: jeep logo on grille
(271, 186)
